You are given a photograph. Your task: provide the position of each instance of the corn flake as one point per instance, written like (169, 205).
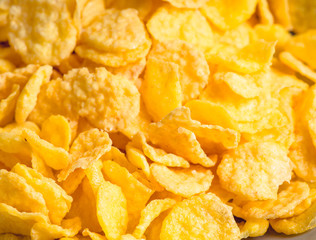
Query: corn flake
(183, 182)
(255, 170)
(7, 106)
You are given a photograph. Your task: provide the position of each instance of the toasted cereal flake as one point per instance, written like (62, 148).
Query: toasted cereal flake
(187, 3)
(292, 62)
(28, 97)
(7, 106)
(16, 192)
(170, 23)
(228, 14)
(158, 155)
(143, 7)
(68, 228)
(271, 33)
(200, 217)
(289, 197)
(40, 31)
(254, 228)
(303, 47)
(108, 101)
(298, 224)
(13, 221)
(193, 69)
(264, 12)
(255, 170)
(150, 212)
(184, 182)
(111, 210)
(252, 58)
(137, 158)
(281, 12)
(161, 89)
(88, 147)
(115, 37)
(55, 157)
(57, 201)
(41, 167)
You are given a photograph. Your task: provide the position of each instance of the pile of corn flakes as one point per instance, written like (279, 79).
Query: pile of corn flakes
(157, 119)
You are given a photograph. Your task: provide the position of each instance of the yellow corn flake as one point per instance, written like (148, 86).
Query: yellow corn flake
(154, 228)
(7, 106)
(219, 191)
(89, 146)
(137, 158)
(68, 228)
(6, 66)
(209, 113)
(143, 7)
(297, 224)
(13, 221)
(28, 97)
(29, 30)
(187, 3)
(84, 207)
(290, 196)
(150, 212)
(193, 69)
(183, 182)
(93, 235)
(302, 15)
(107, 101)
(8, 159)
(9, 236)
(252, 58)
(16, 192)
(203, 217)
(255, 170)
(41, 167)
(57, 201)
(8, 80)
(12, 142)
(136, 193)
(115, 37)
(292, 62)
(280, 10)
(95, 175)
(158, 155)
(170, 23)
(18, 127)
(111, 210)
(56, 130)
(161, 89)
(264, 12)
(271, 33)
(254, 228)
(55, 157)
(228, 14)
(302, 46)
(86, 11)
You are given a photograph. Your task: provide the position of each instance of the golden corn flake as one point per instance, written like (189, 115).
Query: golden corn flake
(89, 146)
(138, 159)
(292, 62)
(57, 201)
(200, 217)
(288, 199)
(193, 70)
(264, 12)
(252, 58)
(68, 228)
(143, 7)
(158, 155)
(228, 14)
(7, 106)
(28, 97)
(16, 192)
(161, 89)
(150, 212)
(255, 170)
(44, 33)
(136, 193)
(303, 47)
(170, 23)
(9, 236)
(254, 228)
(41, 167)
(56, 130)
(13, 221)
(184, 182)
(297, 224)
(107, 101)
(271, 33)
(111, 210)
(115, 37)
(280, 10)
(55, 157)
(187, 3)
